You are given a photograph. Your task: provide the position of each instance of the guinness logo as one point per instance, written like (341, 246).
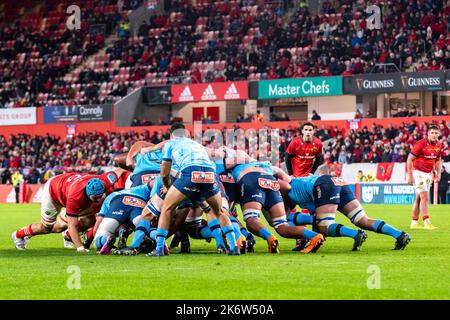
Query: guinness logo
(404, 81)
(359, 83)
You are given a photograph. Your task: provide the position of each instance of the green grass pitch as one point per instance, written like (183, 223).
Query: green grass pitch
(422, 271)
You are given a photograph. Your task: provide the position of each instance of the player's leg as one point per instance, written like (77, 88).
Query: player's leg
(106, 234)
(422, 183)
(356, 214)
(49, 213)
(215, 203)
(280, 223)
(173, 198)
(416, 213)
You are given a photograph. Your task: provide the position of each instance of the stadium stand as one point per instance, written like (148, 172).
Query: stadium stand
(41, 62)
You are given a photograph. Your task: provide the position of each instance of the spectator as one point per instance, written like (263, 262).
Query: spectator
(17, 181)
(315, 116)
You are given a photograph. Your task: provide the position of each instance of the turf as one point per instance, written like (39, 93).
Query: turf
(334, 272)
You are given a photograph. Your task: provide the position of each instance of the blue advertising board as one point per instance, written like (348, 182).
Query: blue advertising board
(58, 114)
(377, 193)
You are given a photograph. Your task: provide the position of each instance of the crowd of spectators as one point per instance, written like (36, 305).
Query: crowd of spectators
(41, 157)
(252, 38)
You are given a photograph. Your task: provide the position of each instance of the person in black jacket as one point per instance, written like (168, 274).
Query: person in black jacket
(443, 186)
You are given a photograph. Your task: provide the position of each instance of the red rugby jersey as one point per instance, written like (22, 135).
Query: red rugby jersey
(426, 154)
(303, 155)
(68, 190)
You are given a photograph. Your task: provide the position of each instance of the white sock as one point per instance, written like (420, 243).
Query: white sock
(426, 221)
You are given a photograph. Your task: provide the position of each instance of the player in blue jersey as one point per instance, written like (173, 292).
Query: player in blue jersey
(146, 165)
(260, 190)
(196, 179)
(120, 208)
(323, 196)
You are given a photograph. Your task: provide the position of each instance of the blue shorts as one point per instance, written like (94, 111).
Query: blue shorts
(143, 177)
(230, 187)
(124, 208)
(346, 196)
(326, 191)
(197, 183)
(260, 187)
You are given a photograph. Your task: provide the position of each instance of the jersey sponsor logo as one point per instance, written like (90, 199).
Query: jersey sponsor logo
(132, 201)
(117, 213)
(227, 178)
(269, 184)
(202, 177)
(338, 181)
(148, 177)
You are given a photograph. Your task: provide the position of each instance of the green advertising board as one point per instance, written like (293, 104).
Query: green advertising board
(300, 87)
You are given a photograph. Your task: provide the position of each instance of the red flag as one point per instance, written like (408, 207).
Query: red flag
(384, 171)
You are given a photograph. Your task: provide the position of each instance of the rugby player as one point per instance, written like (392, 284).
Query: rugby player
(68, 198)
(323, 195)
(424, 158)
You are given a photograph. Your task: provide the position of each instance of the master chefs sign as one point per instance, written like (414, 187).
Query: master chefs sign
(300, 87)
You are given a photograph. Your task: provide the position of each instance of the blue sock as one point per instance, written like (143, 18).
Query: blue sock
(244, 232)
(236, 227)
(231, 237)
(309, 234)
(265, 234)
(382, 227)
(299, 218)
(338, 230)
(152, 234)
(142, 230)
(161, 235)
(214, 226)
(100, 241)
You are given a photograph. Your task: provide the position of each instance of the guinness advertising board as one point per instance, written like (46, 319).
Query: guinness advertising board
(394, 82)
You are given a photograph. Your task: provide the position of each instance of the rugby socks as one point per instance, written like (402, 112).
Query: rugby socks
(231, 237)
(308, 234)
(299, 218)
(415, 220)
(152, 234)
(100, 242)
(214, 226)
(202, 232)
(426, 219)
(161, 235)
(382, 227)
(265, 234)
(142, 230)
(339, 230)
(24, 232)
(236, 227)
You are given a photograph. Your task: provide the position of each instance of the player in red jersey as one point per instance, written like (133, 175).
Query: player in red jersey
(71, 195)
(304, 154)
(303, 157)
(424, 158)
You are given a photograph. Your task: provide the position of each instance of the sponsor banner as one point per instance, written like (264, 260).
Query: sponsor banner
(58, 114)
(301, 87)
(447, 80)
(16, 116)
(394, 82)
(387, 193)
(217, 91)
(98, 112)
(29, 193)
(157, 95)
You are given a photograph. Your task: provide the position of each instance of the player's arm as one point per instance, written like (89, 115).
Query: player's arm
(409, 168)
(289, 155)
(134, 150)
(72, 222)
(281, 175)
(438, 166)
(120, 160)
(165, 173)
(152, 148)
